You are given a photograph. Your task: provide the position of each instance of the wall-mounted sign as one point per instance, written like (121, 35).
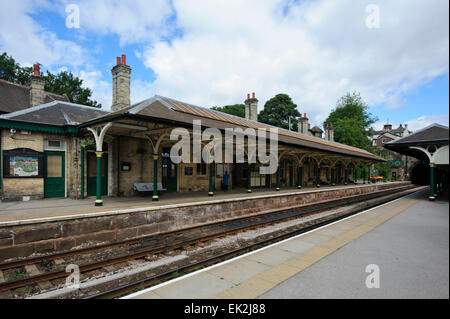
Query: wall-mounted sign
(22, 162)
(188, 170)
(126, 166)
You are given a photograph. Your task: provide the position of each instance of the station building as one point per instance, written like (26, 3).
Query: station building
(59, 149)
(430, 147)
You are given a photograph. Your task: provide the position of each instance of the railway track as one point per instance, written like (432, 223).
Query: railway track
(42, 272)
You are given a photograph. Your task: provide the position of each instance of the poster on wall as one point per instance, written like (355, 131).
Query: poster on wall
(22, 163)
(23, 166)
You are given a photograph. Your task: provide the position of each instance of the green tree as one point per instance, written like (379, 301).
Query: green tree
(383, 169)
(66, 83)
(61, 83)
(12, 71)
(235, 109)
(277, 111)
(351, 121)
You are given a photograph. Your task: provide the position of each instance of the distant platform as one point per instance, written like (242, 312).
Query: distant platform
(65, 207)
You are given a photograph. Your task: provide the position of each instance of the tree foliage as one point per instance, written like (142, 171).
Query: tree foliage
(277, 111)
(351, 121)
(62, 83)
(235, 109)
(70, 85)
(13, 72)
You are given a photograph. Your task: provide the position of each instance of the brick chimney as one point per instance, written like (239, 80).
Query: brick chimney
(121, 84)
(329, 132)
(37, 84)
(251, 107)
(303, 125)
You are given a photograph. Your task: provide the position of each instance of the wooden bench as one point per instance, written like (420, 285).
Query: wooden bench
(145, 188)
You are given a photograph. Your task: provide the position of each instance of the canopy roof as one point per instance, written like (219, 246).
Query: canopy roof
(175, 112)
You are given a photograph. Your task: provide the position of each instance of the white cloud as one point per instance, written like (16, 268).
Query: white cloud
(424, 121)
(132, 20)
(25, 40)
(417, 123)
(316, 53)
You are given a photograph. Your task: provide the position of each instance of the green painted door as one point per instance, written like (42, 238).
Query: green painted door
(169, 174)
(92, 174)
(54, 174)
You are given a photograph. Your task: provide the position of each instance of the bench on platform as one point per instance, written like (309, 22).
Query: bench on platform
(143, 188)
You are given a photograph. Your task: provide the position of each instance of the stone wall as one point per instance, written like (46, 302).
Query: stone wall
(22, 239)
(17, 188)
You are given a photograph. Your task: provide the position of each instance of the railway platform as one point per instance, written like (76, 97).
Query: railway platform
(404, 242)
(50, 208)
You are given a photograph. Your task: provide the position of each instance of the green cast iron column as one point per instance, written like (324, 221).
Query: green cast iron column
(278, 179)
(364, 175)
(436, 181)
(155, 178)
(211, 193)
(432, 193)
(318, 176)
(332, 176)
(300, 177)
(345, 176)
(98, 200)
(249, 178)
(82, 172)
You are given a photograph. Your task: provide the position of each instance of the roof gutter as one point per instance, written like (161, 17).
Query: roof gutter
(12, 124)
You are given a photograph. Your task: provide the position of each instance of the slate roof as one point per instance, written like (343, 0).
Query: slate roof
(15, 97)
(432, 133)
(397, 131)
(58, 113)
(166, 109)
(316, 129)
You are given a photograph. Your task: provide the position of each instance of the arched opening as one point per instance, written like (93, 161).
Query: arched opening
(420, 173)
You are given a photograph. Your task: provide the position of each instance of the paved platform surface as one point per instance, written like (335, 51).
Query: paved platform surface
(408, 239)
(10, 211)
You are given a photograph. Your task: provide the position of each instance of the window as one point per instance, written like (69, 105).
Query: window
(201, 169)
(54, 145)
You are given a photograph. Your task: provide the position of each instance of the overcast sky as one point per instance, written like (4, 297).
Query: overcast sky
(215, 52)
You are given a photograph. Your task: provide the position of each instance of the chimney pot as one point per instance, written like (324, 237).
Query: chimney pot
(300, 115)
(124, 59)
(36, 69)
(118, 60)
(304, 114)
(248, 96)
(253, 95)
